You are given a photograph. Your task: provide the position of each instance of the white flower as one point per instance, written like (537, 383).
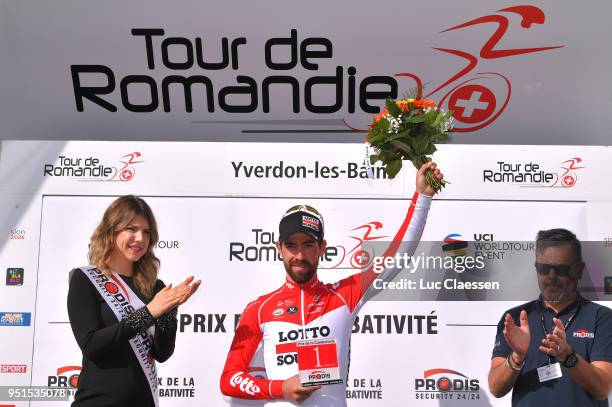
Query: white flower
(447, 124)
(394, 123)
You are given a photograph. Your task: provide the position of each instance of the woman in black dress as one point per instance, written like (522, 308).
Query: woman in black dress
(119, 335)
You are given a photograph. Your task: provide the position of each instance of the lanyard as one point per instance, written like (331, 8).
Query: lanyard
(565, 326)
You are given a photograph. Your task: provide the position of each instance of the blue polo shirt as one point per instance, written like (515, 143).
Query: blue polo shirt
(589, 334)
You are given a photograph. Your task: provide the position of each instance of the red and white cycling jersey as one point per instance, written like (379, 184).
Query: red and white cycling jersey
(274, 322)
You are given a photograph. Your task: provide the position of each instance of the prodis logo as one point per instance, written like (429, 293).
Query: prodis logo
(446, 384)
(583, 333)
(319, 375)
(65, 376)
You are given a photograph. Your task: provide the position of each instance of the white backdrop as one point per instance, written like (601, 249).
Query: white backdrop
(205, 207)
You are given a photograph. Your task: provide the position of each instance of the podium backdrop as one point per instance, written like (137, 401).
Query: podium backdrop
(218, 207)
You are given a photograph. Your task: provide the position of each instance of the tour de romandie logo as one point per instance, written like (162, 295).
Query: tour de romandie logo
(93, 169)
(534, 174)
(357, 254)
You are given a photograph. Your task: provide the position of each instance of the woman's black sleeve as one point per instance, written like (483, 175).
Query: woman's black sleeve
(165, 332)
(95, 339)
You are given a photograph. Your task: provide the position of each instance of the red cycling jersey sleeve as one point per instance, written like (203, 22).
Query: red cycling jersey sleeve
(356, 289)
(235, 379)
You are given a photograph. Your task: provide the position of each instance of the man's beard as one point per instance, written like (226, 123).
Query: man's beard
(301, 278)
(554, 298)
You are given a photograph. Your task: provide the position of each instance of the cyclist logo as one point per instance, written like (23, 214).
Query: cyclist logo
(127, 170)
(476, 105)
(479, 98)
(359, 255)
(568, 178)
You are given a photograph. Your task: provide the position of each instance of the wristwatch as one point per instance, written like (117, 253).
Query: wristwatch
(571, 360)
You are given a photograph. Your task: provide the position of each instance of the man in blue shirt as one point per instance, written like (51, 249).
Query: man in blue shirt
(561, 352)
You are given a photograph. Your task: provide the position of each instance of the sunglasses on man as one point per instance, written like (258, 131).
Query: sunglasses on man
(303, 208)
(562, 270)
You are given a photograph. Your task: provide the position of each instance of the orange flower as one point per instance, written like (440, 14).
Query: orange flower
(379, 116)
(402, 105)
(424, 104)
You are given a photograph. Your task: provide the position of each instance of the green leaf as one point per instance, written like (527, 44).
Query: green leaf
(420, 144)
(402, 134)
(416, 119)
(400, 145)
(393, 167)
(386, 156)
(442, 137)
(419, 161)
(392, 107)
(374, 158)
(383, 125)
(376, 138)
(439, 118)
(430, 117)
(431, 148)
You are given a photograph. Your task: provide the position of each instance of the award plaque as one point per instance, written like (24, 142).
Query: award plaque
(318, 362)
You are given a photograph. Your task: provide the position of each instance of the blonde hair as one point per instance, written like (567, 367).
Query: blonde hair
(116, 218)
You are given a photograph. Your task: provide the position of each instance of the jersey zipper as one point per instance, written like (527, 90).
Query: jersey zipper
(302, 311)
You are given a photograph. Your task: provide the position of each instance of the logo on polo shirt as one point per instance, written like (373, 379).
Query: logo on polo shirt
(311, 222)
(583, 333)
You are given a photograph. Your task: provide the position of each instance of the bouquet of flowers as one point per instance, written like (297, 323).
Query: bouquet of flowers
(407, 129)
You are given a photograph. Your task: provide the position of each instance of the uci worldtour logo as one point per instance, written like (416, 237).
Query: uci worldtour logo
(446, 384)
(91, 169)
(484, 245)
(477, 97)
(531, 174)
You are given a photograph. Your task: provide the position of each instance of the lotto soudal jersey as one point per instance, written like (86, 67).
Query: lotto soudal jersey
(273, 323)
